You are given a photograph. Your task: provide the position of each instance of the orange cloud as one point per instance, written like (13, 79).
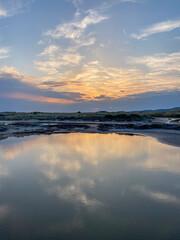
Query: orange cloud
(35, 98)
(94, 82)
(97, 83)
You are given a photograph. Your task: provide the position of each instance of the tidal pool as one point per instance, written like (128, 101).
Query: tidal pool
(89, 186)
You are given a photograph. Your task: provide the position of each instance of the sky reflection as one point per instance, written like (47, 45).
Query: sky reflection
(70, 151)
(70, 183)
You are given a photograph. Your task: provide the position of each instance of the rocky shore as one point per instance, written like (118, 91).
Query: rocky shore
(163, 131)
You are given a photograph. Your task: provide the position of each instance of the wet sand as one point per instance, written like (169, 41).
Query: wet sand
(170, 138)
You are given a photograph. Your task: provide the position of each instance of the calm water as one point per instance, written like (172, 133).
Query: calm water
(89, 186)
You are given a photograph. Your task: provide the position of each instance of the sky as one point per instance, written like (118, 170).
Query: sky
(87, 55)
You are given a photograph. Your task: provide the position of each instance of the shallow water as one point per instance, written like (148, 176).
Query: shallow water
(89, 186)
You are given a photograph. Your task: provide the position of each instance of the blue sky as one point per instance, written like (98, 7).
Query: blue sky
(70, 55)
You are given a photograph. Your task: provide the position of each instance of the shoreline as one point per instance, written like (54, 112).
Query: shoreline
(22, 129)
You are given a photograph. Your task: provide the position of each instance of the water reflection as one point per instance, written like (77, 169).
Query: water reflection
(159, 196)
(88, 186)
(69, 151)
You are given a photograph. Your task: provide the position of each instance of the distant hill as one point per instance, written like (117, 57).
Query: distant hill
(173, 112)
(158, 110)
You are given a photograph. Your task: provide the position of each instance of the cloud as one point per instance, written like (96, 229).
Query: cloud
(161, 63)
(85, 41)
(11, 73)
(6, 69)
(50, 50)
(10, 8)
(94, 81)
(75, 30)
(17, 86)
(76, 3)
(4, 52)
(35, 98)
(161, 27)
(67, 70)
(3, 13)
(53, 59)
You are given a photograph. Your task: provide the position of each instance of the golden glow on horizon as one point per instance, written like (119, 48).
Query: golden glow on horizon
(93, 82)
(31, 97)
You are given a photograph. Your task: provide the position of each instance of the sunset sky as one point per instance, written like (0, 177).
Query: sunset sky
(89, 55)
